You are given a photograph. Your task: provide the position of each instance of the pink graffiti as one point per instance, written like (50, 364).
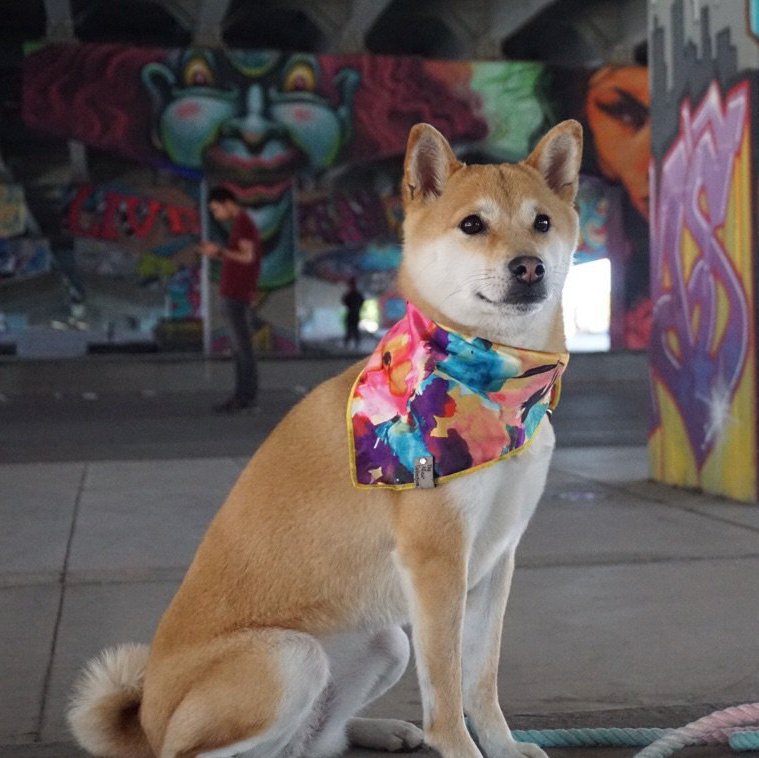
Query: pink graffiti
(343, 220)
(703, 369)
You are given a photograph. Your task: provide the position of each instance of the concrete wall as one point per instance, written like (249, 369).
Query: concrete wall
(704, 58)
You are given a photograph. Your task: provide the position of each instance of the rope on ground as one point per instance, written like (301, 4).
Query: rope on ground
(744, 741)
(737, 726)
(715, 728)
(604, 737)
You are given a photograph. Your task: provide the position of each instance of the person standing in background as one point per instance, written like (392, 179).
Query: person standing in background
(240, 268)
(353, 300)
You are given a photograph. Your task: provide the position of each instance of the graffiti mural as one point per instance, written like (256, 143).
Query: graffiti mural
(266, 123)
(12, 210)
(346, 238)
(251, 120)
(130, 236)
(154, 241)
(23, 256)
(617, 111)
(108, 214)
(702, 346)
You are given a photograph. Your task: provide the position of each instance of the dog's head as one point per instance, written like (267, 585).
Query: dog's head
(488, 248)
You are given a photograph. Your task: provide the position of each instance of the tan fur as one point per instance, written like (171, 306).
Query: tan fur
(248, 652)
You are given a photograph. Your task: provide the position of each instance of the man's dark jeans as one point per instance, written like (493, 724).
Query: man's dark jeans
(238, 320)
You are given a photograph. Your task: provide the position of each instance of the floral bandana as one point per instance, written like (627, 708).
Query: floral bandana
(432, 404)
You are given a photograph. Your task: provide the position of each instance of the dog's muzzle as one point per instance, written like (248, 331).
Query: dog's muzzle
(527, 284)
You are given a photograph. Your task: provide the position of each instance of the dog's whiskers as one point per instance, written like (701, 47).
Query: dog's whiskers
(470, 282)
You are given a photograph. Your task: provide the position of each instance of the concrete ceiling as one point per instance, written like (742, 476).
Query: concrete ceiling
(583, 31)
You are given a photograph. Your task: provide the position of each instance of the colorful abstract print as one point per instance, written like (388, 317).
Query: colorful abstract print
(428, 391)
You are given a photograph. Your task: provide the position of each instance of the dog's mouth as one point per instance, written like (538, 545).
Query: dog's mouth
(526, 300)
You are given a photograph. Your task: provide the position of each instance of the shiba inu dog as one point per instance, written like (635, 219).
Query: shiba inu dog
(289, 620)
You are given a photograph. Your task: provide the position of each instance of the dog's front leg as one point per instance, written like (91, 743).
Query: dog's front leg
(432, 558)
(483, 624)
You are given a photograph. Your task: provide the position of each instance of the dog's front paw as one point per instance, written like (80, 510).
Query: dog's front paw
(529, 750)
(518, 750)
(390, 735)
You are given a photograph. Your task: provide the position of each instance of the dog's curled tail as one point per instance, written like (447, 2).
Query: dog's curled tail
(105, 705)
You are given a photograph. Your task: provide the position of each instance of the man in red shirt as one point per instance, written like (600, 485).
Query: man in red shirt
(240, 267)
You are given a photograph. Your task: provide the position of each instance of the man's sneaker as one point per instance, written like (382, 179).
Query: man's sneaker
(235, 405)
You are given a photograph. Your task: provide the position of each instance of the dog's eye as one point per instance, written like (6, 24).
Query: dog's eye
(541, 223)
(472, 225)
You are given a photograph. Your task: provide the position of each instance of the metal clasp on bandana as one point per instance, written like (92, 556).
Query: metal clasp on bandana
(424, 475)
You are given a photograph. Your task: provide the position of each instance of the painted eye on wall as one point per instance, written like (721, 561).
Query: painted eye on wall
(541, 223)
(472, 225)
(626, 109)
(197, 73)
(300, 78)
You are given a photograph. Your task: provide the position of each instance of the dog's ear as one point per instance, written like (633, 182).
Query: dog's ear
(557, 157)
(428, 165)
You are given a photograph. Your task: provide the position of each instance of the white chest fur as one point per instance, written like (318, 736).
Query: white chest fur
(497, 502)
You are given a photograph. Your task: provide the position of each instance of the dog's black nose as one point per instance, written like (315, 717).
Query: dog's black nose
(527, 269)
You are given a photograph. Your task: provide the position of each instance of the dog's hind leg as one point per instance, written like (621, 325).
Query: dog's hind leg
(251, 693)
(363, 666)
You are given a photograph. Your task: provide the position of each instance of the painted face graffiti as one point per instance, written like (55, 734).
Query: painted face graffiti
(701, 312)
(251, 119)
(617, 106)
(251, 116)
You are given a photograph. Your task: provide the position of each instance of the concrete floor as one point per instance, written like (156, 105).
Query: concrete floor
(634, 604)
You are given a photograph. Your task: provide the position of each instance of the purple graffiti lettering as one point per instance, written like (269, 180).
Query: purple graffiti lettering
(341, 220)
(699, 344)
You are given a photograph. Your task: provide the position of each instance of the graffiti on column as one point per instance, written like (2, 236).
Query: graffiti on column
(701, 288)
(703, 424)
(701, 344)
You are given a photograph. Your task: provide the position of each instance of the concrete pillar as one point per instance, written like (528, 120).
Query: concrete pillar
(80, 170)
(60, 22)
(704, 61)
(361, 15)
(60, 28)
(208, 31)
(501, 20)
(5, 173)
